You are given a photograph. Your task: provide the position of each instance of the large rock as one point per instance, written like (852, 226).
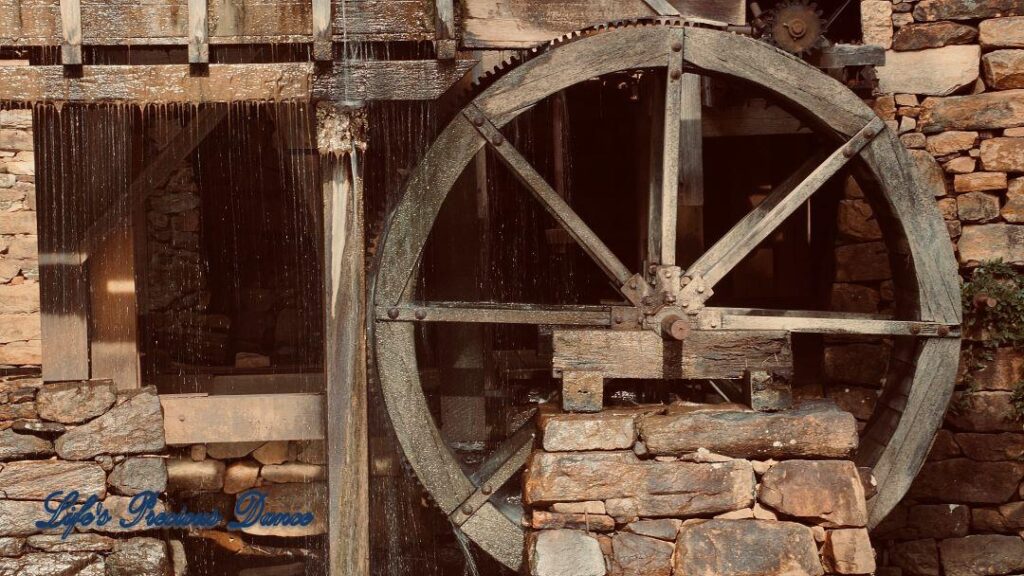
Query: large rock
(746, 547)
(139, 557)
(848, 551)
(825, 492)
(933, 35)
(979, 182)
(19, 298)
(853, 298)
(819, 430)
(952, 142)
(71, 542)
(991, 242)
(1002, 371)
(876, 22)
(634, 487)
(863, 262)
(37, 479)
(982, 554)
(59, 564)
(119, 508)
(293, 472)
(992, 447)
(240, 476)
(984, 412)
(565, 553)
(75, 402)
(931, 179)
(186, 475)
(977, 207)
(933, 72)
(133, 427)
(965, 481)
(543, 520)
(1002, 32)
(139, 474)
(290, 499)
(916, 558)
(601, 431)
(936, 521)
(1013, 210)
(856, 221)
(931, 10)
(1004, 69)
(635, 555)
(1003, 154)
(19, 517)
(985, 111)
(14, 445)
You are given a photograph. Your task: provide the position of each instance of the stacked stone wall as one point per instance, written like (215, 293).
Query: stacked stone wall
(697, 489)
(953, 88)
(19, 257)
(90, 438)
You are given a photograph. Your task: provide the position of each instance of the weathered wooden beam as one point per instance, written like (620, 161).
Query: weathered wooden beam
(445, 45)
(352, 80)
(843, 55)
(198, 33)
(809, 321)
(71, 32)
(496, 313)
(664, 205)
(526, 23)
(582, 391)
(690, 234)
(644, 354)
(322, 45)
(341, 139)
(38, 22)
(199, 419)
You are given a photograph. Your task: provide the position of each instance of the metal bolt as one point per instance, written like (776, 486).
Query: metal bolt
(714, 323)
(686, 304)
(498, 140)
(684, 280)
(943, 331)
(486, 489)
(677, 46)
(700, 289)
(915, 329)
(849, 151)
(676, 74)
(393, 313)
(478, 121)
(467, 509)
(632, 284)
(181, 418)
(420, 314)
(617, 318)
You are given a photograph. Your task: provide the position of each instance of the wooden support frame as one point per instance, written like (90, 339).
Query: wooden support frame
(321, 20)
(446, 45)
(71, 32)
(198, 33)
(201, 419)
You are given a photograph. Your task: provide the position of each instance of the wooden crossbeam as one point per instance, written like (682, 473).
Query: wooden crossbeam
(71, 32)
(200, 419)
(198, 33)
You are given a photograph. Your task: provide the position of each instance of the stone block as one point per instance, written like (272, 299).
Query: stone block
(961, 165)
(240, 476)
(992, 447)
(139, 474)
(979, 182)
(934, 72)
(630, 486)
(933, 35)
(1002, 32)
(19, 517)
(75, 402)
(543, 520)
(564, 553)
(938, 521)
(825, 492)
(932, 10)
(37, 479)
(1003, 69)
(1013, 209)
(292, 472)
(916, 558)
(854, 298)
(71, 543)
(291, 499)
(15, 445)
(635, 555)
(848, 551)
(855, 221)
(876, 22)
(186, 476)
(985, 111)
(930, 177)
(601, 431)
(982, 554)
(662, 528)
(134, 427)
(815, 431)
(272, 453)
(746, 547)
(22, 353)
(990, 242)
(587, 507)
(983, 412)
(1003, 154)
(964, 481)
(139, 557)
(952, 142)
(857, 401)
(46, 564)
(977, 207)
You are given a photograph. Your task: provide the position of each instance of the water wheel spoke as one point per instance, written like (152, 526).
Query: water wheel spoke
(783, 201)
(819, 322)
(663, 207)
(499, 468)
(496, 313)
(555, 204)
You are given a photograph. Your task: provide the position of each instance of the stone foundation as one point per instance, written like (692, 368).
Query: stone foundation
(697, 489)
(83, 436)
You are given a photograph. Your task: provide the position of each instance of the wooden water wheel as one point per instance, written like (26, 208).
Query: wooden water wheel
(665, 299)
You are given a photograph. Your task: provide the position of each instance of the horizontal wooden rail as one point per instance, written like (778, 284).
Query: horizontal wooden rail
(201, 419)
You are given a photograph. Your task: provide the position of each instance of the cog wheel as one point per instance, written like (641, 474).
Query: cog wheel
(795, 26)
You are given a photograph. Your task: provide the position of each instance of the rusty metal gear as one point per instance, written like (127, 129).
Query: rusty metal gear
(795, 26)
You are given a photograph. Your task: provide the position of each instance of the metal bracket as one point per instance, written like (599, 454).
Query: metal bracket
(502, 465)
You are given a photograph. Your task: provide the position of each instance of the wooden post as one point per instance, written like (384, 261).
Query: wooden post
(198, 33)
(71, 32)
(690, 239)
(445, 45)
(341, 140)
(322, 41)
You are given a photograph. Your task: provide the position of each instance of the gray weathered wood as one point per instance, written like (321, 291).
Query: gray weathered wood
(496, 313)
(842, 55)
(582, 391)
(664, 207)
(344, 341)
(171, 83)
(524, 23)
(807, 321)
(321, 20)
(198, 33)
(446, 44)
(71, 32)
(765, 393)
(644, 354)
(690, 233)
(199, 419)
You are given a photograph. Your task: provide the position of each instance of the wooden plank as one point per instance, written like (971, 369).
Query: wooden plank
(172, 83)
(140, 22)
(322, 45)
(71, 32)
(496, 313)
(690, 233)
(113, 318)
(843, 55)
(527, 23)
(344, 338)
(198, 33)
(199, 419)
(812, 322)
(445, 46)
(644, 354)
(665, 206)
